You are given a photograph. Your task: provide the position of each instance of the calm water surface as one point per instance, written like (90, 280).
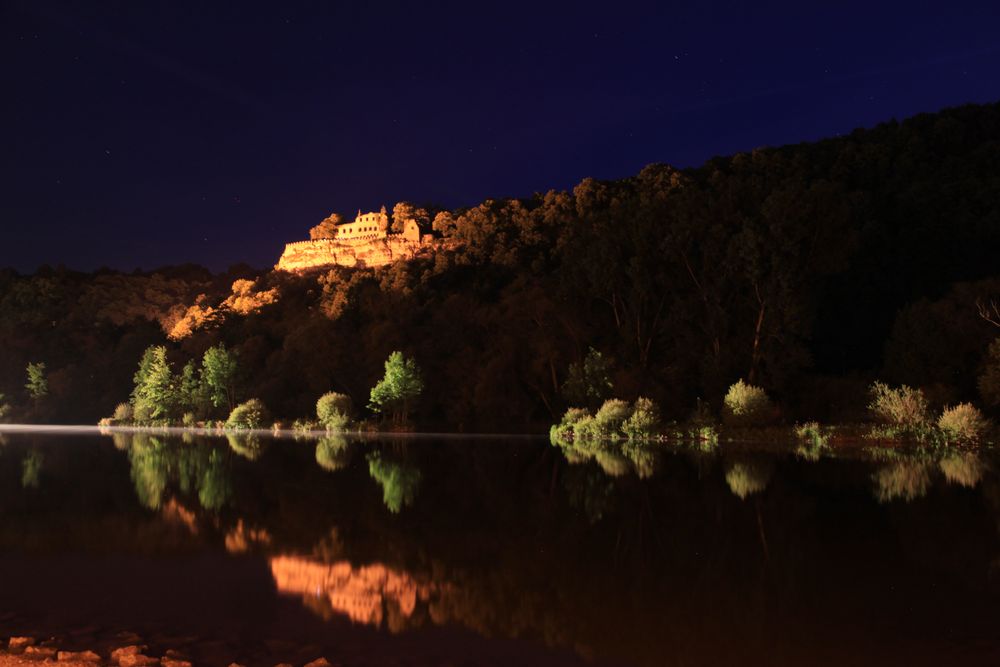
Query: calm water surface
(452, 551)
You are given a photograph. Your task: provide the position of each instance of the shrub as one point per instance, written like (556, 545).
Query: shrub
(813, 440)
(964, 422)
(905, 407)
(611, 416)
(142, 413)
(644, 422)
(123, 413)
(247, 415)
(564, 429)
(334, 410)
(586, 429)
(746, 405)
(188, 419)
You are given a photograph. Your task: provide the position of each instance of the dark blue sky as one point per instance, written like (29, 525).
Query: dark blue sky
(138, 134)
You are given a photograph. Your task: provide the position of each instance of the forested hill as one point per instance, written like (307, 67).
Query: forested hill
(808, 269)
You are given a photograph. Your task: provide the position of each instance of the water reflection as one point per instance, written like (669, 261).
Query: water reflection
(248, 445)
(333, 452)
(963, 468)
(198, 468)
(31, 469)
(748, 477)
(399, 481)
(366, 594)
(902, 480)
(634, 554)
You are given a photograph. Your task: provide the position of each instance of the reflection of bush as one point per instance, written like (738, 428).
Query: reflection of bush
(745, 478)
(333, 453)
(399, 481)
(964, 468)
(247, 445)
(903, 480)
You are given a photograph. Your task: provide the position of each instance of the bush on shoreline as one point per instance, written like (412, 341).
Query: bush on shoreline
(963, 423)
(250, 414)
(746, 405)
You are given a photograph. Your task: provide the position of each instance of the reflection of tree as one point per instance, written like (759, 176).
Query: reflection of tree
(902, 480)
(399, 481)
(333, 452)
(964, 468)
(150, 469)
(196, 468)
(247, 445)
(745, 478)
(214, 489)
(31, 469)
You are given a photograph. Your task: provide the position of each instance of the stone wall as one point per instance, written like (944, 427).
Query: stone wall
(304, 255)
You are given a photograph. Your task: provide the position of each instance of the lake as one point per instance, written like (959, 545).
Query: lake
(435, 550)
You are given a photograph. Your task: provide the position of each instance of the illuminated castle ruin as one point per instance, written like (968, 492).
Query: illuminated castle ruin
(366, 241)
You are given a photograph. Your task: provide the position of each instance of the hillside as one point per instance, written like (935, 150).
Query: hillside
(808, 269)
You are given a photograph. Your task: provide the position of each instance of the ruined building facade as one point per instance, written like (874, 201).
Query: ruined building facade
(366, 241)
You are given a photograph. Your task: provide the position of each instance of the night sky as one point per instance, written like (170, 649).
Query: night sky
(140, 134)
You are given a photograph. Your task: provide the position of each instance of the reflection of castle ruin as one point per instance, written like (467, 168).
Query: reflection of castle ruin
(367, 241)
(360, 593)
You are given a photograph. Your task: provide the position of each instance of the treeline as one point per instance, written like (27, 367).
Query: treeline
(808, 270)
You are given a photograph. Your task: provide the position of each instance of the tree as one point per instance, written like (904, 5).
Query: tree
(219, 371)
(401, 384)
(192, 395)
(589, 381)
(404, 211)
(38, 384)
(155, 392)
(327, 229)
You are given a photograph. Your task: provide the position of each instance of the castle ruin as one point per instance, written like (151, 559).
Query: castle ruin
(365, 242)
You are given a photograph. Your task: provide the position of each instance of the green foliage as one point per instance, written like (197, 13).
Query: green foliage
(903, 407)
(398, 388)
(251, 414)
(154, 391)
(989, 375)
(644, 422)
(813, 441)
(142, 414)
(4, 408)
(564, 429)
(189, 420)
(963, 423)
(37, 384)
(334, 411)
(399, 481)
(589, 380)
(611, 415)
(219, 370)
(746, 405)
